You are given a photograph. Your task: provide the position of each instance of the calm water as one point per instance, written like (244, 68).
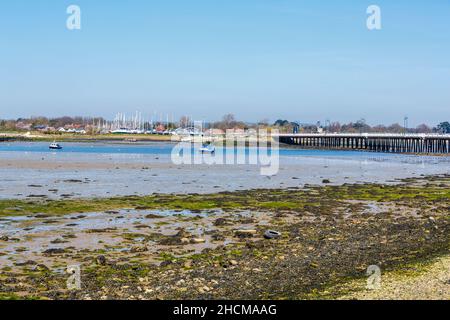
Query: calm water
(161, 148)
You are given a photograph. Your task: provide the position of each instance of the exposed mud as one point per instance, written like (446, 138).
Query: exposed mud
(213, 246)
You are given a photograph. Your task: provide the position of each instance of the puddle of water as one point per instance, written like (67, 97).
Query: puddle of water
(105, 230)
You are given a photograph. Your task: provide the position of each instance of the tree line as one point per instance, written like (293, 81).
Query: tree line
(229, 121)
(361, 126)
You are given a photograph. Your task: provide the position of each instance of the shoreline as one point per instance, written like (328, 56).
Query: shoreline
(212, 246)
(142, 138)
(419, 280)
(36, 137)
(71, 175)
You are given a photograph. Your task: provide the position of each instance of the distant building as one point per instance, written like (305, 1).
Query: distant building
(215, 132)
(23, 126)
(40, 127)
(160, 128)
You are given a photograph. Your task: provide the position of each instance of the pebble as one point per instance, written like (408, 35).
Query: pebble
(180, 282)
(198, 240)
(138, 249)
(246, 231)
(42, 267)
(101, 260)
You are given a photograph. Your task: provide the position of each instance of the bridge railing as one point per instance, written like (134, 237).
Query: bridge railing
(366, 135)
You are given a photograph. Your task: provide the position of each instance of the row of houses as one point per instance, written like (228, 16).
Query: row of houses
(23, 126)
(160, 129)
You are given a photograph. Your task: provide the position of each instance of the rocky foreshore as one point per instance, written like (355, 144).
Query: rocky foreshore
(314, 242)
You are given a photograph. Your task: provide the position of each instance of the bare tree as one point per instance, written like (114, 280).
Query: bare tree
(423, 128)
(184, 121)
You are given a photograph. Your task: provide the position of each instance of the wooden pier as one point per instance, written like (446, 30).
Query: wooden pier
(395, 143)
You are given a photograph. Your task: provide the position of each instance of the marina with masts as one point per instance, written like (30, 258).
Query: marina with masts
(136, 123)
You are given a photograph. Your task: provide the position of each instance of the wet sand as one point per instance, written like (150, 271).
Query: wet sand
(75, 175)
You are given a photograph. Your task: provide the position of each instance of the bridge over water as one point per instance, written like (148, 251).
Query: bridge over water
(379, 142)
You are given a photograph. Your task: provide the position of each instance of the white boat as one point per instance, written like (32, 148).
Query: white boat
(124, 131)
(55, 146)
(207, 149)
(186, 139)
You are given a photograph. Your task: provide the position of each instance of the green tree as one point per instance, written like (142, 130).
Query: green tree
(444, 127)
(281, 123)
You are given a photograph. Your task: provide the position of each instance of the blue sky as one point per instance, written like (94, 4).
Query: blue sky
(300, 60)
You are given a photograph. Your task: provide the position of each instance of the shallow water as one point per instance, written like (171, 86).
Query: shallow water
(29, 236)
(108, 169)
(99, 150)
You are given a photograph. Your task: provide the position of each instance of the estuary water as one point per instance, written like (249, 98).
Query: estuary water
(165, 148)
(31, 170)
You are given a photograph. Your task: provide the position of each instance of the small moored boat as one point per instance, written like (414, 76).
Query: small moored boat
(207, 149)
(55, 146)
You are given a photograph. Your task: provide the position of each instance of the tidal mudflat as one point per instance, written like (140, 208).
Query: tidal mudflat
(30, 170)
(140, 227)
(214, 245)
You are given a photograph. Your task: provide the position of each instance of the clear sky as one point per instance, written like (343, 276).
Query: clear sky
(301, 60)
